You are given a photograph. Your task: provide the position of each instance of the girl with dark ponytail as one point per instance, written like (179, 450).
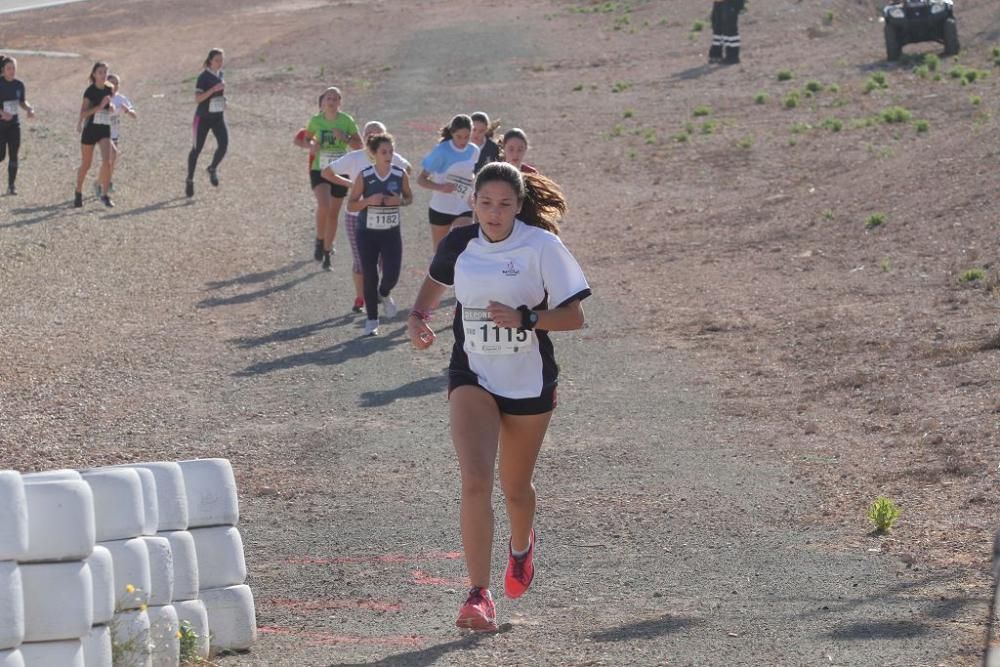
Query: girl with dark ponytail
(449, 170)
(514, 283)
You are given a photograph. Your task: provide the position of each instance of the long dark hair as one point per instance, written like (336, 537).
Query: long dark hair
(211, 54)
(459, 122)
(97, 65)
(542, 201)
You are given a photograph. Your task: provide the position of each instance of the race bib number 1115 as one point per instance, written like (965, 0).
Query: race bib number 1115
(482, 336)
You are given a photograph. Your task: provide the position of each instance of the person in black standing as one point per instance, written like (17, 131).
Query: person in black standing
(209, 95)
(12, 100)
(95, 130)
(725, 32)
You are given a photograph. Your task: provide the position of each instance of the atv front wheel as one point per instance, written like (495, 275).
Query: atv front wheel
(951, 46)
(893, 48)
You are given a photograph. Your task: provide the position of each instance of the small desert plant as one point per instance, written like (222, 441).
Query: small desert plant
(895, 115)
(701, 111)
(616, 131)
(791, 100)
(975, 100)
(785, 75)
(621, 86)
(708, 127)
(833, 124)
(885, 265)
(833, 88)
(697, 26)
(879, 78)
(883, 514)
(827, 214)
(972, 275)
(689, 127)
(921, 126)
(628, 113)
(814, 86)
(932, 62)
(922, 71)
(745, 143)
(681, 137)
(760, 98)
(578, 87)
(828, 18)
(875, 220)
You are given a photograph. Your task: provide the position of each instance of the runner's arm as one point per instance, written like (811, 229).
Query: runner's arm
(330, 175)
(421, 335)
(424, 181)
(407, 197)
(568, 317)
(356, 200)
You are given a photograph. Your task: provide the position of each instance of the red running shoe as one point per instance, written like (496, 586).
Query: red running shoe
(520, 571)
(478, 613)
(359, 304)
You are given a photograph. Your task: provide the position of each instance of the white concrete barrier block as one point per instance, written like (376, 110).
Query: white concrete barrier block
(58, 601)
(161, 570)
(171, 497)
(150, 502)
(60, 520)
(130, 636)
(118, 504)
(68, 653)
(211, 493)
(52, 476)
(11, 658)
(97, 647)
(130, 559)
(231, 618)
(185, 564)
(11, 606)
(102, 574)
(13, 516)
(193, 612)
(163, 642)
(221, 561)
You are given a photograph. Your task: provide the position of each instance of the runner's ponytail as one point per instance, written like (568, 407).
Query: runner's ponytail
(542, 201)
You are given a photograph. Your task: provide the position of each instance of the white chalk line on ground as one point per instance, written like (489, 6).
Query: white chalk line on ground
(44, 54)
(10, 6)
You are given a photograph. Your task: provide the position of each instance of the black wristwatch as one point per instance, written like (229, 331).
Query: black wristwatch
(529, 318)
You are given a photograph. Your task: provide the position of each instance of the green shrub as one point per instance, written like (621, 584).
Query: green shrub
(701, 111)
(760, 98)
(689, 127)
(875, 220)
(972, 275)
(932, 61)
(833, 124)
(578, 87)
(814, 86)
(883, 514)
(879, 78)
(698, 26)
(975, 100)
(828, 18)
(681, 137)
(785, 75)
(621, 86)
(921, 126)
(745, 143)
(791, 100)
(708, 127)
(833, 88)
(827, 214)
(922, 71)
(895, 115)
(799, 128)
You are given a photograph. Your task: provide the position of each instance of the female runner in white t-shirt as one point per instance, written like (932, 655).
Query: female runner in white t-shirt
(514, 282)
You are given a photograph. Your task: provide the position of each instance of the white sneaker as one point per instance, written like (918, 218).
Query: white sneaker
(390, 306)
(371, 327)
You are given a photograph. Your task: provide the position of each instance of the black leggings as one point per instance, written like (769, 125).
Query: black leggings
(202, 124)
(371, 244)
(10, 143)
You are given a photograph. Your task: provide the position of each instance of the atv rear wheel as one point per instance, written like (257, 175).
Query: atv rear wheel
(893, 48)
(951, 45)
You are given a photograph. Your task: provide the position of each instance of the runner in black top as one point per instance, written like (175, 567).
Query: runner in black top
(95, 128)
(209, 95)
(482, 136)
(12, 100)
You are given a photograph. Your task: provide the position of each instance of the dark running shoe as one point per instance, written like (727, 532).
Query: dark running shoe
(326, 261)
(318, 251)
(107, 201)
(78, 200)
(213, 177)
(189, 188)
(12, 191)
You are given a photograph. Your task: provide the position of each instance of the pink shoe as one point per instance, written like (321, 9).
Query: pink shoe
(520, 571)
(478, 613)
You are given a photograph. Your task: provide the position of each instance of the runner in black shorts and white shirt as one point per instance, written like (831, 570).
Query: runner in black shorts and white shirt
(514, 282)
(12, 100)
(449, 171)
(95, 130)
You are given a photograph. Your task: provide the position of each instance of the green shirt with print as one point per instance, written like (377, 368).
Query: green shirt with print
(329, 147)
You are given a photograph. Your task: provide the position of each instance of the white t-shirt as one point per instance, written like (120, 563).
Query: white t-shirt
(121, 103)
(447, 164)
(530, 267)
(355, 162)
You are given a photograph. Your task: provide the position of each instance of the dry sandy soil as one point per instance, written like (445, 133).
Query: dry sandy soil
(726, 241)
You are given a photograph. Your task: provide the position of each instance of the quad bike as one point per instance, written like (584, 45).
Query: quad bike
(911, 21)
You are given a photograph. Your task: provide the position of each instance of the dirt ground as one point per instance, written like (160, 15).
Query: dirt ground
(760, 364)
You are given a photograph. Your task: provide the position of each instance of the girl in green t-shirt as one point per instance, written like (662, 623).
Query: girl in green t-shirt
(329, 135)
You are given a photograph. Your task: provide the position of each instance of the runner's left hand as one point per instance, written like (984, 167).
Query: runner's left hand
(503, 315)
